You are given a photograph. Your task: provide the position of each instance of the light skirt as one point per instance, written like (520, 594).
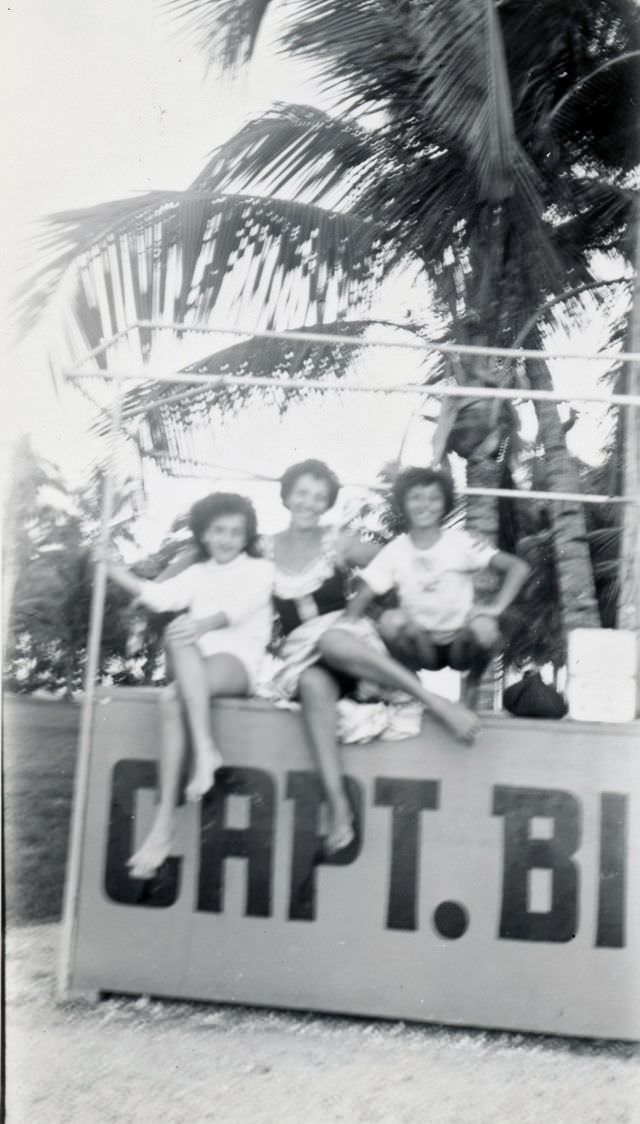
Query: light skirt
(300, 651)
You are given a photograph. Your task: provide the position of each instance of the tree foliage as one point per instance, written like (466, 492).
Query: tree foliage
(50, 530)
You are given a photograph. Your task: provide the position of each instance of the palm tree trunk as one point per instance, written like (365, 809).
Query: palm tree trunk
(483, 471)
(573, 562)
(482, 511)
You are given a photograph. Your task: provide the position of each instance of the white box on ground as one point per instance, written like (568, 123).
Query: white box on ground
(611, 652)
(602, 698)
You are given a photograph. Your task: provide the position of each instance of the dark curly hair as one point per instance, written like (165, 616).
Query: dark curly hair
(421, 478)
(319, 470)
(211, 507)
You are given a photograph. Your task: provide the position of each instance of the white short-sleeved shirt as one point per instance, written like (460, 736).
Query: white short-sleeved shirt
(435, 586)
(241, 589)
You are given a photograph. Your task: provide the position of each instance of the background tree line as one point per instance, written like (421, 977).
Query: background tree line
(49, 534)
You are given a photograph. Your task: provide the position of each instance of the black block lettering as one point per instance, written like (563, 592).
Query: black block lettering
(254, 843)
(610, 932)
(523, 854)
(306, 790)
(408, 799)
(158, 892)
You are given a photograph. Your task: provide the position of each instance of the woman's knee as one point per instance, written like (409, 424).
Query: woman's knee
(484, 633)
(391, 625)
(227, 675)
(331, 644)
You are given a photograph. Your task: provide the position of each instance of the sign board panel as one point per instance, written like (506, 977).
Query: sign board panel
(490, 885)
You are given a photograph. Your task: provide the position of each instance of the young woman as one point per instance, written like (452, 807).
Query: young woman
(323, 654)
(431, 567)
(216, 648)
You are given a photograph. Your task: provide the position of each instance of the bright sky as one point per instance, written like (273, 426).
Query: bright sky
(104, 101)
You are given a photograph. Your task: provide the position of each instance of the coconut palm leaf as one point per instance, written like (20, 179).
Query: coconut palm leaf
(224, 30)
(600, 213)
(441, 65)
(171, 256)
(156, 410)
(582, 117)
(295, 147)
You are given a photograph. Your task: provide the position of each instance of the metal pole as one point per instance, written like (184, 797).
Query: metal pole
(80, 793)
(411, 345)
(206, 468)
(220, 382)
(629, 598)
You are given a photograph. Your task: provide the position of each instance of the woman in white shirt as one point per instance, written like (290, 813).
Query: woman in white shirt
(216, 647)
(431, 567)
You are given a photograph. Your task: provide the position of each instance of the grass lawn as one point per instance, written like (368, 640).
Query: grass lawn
(39, 757)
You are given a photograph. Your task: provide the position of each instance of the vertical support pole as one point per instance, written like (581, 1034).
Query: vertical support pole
(629, 601)
(81, 784)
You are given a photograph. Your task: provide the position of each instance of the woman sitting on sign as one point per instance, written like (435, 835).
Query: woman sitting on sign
(216, 648)
(431, 569)
(311, 571)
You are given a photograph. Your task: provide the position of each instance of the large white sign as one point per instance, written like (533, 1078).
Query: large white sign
(489, 886)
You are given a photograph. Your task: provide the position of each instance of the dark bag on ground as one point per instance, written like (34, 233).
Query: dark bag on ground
(531, 697)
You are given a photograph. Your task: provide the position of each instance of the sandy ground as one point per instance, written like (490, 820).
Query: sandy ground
(147, 1061)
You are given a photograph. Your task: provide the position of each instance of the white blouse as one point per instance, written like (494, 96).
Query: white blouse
(241, 589)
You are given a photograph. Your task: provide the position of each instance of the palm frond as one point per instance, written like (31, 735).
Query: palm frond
(172, 256)
(463, 84)
(168, 420)
(224, 30)
(600, 213)
(162, 408)
(291, 147)
(582, 117)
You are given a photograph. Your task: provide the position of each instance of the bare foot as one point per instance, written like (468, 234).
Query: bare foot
(208, 761)
(462, 722)
(341, 831)
(153, 852)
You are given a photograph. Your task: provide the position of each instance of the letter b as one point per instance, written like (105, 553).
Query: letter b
(522, 854)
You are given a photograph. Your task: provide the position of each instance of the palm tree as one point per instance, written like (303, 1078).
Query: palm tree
(460, 146)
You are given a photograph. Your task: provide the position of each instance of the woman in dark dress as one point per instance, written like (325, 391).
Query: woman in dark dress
(312, 563)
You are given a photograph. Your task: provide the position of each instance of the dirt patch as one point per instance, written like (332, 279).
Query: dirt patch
(147, 1061)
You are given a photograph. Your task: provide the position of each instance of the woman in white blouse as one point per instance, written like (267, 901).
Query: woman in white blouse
(216, 648)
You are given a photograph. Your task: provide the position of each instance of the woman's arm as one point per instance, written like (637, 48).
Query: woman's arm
(122, 577)
(360, 602)
(186, 629)
(186, 557)
(211, 624)
(356, 551)
(515, 572)
(168, 596)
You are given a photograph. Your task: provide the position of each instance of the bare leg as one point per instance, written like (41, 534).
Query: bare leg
(198, 679)
(158, 843)
(344, 651)
(413, 648)
(473, 649)
(318, 696)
